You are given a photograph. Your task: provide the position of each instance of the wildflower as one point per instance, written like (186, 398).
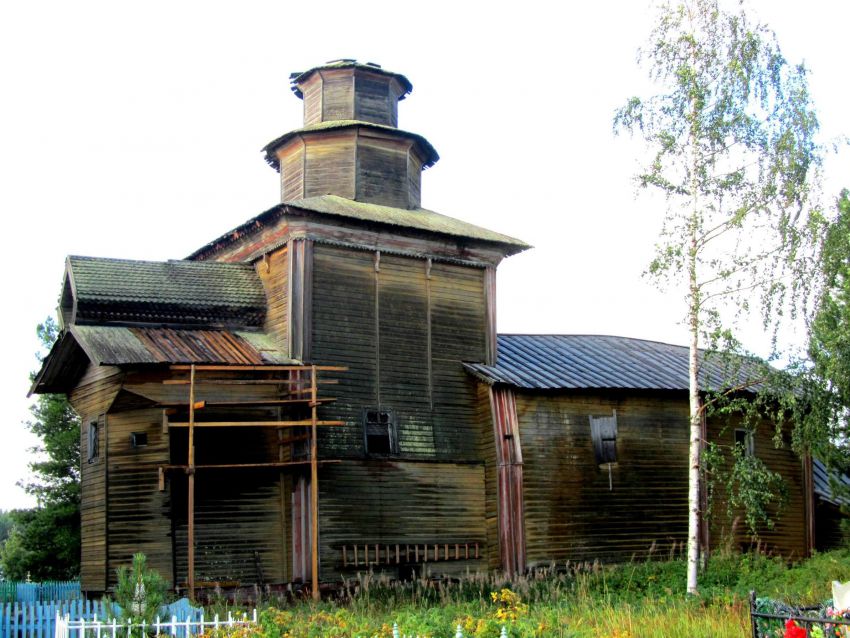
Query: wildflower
(792, 630)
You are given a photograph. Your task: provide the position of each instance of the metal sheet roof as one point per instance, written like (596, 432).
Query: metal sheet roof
(823, 481)
(549, 362)
(123, 290)
(120, 346)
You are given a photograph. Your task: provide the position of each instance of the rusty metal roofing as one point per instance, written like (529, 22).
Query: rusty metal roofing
(300, 76)
(430, 153)
(80, 346)
(823, 484)
(549, 362)
(181, 292)
(118, 345)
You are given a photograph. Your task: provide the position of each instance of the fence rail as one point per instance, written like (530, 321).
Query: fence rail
(18, 591)
(95, 628)
(38, 620)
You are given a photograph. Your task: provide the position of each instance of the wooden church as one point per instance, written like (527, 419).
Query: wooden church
(322, 390)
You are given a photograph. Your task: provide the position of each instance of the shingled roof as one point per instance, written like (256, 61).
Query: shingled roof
(556, 362)
(418, 219)
(102, 290)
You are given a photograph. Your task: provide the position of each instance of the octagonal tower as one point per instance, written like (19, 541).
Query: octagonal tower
(349, 145)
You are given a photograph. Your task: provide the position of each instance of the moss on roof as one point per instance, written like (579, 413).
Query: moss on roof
(431, 155)
(300, 76)
(179, 291)
(418, 218)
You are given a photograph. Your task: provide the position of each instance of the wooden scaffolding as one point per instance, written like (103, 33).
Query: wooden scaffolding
(233, 389)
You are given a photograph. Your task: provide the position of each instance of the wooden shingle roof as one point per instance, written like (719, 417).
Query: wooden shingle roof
(180, 292)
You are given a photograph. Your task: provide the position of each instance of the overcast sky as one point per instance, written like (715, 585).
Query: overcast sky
(133, 130)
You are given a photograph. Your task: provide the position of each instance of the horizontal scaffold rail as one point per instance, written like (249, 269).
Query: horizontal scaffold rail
(258, 368)
(248, 382)
(252, 424)
(246, 403)
(234, 466)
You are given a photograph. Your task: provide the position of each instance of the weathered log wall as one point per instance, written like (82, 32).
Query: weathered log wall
(576, 510)
(91, 399)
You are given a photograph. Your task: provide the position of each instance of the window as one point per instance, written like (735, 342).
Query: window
(139, 439)
(379, 431)
(94, 441)
(603, 432)
(744, 439)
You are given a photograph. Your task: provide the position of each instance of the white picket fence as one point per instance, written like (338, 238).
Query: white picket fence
(458, 633)
(95, 628)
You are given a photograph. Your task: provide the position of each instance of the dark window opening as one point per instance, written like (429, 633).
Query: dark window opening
(603, 432)
(139, 439)
(744, 439)
(93, 441)
(379, 431)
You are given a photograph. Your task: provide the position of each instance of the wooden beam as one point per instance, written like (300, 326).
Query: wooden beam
(314, 486)
(253, 424)
(227, 466)
(191, 497)
(258, 402)
(259, 368)
(249, 382)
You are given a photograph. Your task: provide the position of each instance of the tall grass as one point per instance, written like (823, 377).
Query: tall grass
(635, 600)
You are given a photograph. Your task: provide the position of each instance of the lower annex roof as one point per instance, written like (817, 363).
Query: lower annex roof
(550, 362)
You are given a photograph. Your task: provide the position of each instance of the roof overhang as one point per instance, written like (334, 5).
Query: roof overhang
(125, 346)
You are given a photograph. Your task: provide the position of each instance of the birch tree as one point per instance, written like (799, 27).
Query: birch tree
(730, 137)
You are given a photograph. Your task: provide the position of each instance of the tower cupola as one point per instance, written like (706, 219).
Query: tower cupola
(349, 90)
(350, 145)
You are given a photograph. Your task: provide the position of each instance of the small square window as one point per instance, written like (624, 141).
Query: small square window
(139, 439)
(745, 439)
(93, 441)
(379, 431)
(603, 432)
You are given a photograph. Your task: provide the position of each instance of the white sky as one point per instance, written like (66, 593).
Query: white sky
(133, 130)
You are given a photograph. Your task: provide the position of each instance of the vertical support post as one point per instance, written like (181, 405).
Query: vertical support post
(190, 515)
(314, 484)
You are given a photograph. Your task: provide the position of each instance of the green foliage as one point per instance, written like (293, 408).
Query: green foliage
(731, 145)
(632, 600)
(45, 541)
(139, 592)
(828, 390)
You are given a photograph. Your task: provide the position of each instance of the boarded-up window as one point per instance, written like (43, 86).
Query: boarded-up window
(379, 431)
(745, 440)
(603, 432)
(93, 441)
